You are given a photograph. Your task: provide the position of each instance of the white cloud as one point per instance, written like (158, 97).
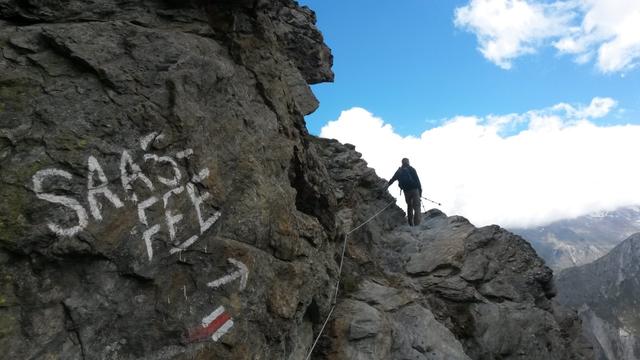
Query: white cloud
(507, 29)
(605, 30)
(559, 165)
(598, 108)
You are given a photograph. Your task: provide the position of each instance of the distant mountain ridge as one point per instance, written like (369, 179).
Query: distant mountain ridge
(607, 292)
(579, 241)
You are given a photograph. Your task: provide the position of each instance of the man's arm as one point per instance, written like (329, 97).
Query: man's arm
(393, 179)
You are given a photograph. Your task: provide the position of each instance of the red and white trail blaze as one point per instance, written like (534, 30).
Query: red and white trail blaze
(214, 325)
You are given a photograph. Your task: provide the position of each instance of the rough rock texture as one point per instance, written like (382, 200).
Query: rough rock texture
(91, 88)
(161, 199)
(607, 292)
(485, 285)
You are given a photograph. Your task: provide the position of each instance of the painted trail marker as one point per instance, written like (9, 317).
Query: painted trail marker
(167, 187)
(242, 273)
(214, 325)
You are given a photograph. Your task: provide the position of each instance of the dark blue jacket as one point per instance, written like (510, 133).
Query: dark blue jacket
(411, 175)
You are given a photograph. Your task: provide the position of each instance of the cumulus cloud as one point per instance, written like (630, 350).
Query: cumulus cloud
(604, 31)
(507, 29)
(558, 162)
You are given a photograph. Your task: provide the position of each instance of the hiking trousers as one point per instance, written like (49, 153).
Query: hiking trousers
(412, 197)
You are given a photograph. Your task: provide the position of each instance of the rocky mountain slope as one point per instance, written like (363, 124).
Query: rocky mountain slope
(607, 292)
(579, 241)
(162, 199)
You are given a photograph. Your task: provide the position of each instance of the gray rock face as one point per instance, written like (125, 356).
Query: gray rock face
(610, 342)
(162, 199)
(147, 150)
(412, 332)
(607, 292)
(490, 289)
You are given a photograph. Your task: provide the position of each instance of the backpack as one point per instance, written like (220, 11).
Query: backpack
(406, 179)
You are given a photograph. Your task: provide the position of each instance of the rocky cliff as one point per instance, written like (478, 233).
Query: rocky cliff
(162, 199)
(607, 292)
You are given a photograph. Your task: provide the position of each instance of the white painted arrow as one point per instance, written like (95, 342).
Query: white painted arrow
(242, 274)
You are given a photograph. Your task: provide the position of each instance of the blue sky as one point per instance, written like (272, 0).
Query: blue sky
(408, 63)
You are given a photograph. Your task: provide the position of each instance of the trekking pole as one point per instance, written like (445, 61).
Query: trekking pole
(437, 203)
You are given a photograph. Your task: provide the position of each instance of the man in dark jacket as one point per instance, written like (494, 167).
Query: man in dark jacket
(409, 182)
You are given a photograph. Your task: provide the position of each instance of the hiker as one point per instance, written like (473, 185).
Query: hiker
(409, 183)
